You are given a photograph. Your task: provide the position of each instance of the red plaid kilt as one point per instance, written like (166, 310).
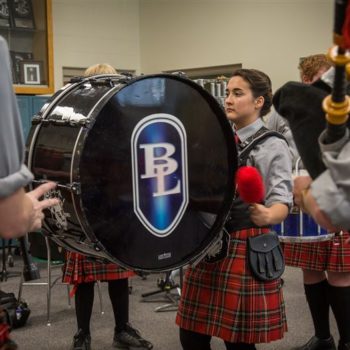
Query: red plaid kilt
(79, 269)
(332, 255)
(224, 300)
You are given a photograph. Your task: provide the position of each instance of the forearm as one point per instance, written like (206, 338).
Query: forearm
(310, 206)
(266, 216)
(330, 202)
(278, 212)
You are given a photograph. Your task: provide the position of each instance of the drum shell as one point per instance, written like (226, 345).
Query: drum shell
(62, 150)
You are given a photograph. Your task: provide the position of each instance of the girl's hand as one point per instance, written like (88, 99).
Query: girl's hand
(265, 216)
(260, 214)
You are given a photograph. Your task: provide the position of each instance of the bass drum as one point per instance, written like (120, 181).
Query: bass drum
(145, 169)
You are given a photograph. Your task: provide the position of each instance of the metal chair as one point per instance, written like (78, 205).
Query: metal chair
(51, 282)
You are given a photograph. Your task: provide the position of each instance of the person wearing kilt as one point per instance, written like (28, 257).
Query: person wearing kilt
(83, 272)
(223, 299)
(326, 264)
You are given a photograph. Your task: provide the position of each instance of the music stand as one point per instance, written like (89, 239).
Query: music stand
(165, 287)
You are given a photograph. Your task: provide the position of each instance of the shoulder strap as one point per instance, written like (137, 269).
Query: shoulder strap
(246, 146)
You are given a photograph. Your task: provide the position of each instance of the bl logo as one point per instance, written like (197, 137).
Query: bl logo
(159, 168)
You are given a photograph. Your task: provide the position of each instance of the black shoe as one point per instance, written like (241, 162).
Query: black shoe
(319, 344)
(343, 346)
(81, 341)
(131, 339)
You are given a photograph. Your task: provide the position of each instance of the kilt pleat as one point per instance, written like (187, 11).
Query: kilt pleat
(224, 300)
(80, 269)
(332, 255)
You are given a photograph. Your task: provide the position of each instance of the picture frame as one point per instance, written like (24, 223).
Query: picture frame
(31, 72)
(21, 14)
(5, 21)
(16, 58)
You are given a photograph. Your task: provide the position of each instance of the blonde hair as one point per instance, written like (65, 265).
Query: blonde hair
(311, 65)
(100, 68)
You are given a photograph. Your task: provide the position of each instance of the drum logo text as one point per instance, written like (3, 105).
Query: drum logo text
(159, 168)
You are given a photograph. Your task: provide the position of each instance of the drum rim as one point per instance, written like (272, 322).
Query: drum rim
(231, 160)
(306, 239)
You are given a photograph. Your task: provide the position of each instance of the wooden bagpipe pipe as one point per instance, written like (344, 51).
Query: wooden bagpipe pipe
(311, 109)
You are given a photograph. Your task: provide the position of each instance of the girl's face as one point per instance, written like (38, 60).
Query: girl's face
(240, 105)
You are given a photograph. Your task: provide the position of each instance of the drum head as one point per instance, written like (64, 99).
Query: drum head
(157, 172)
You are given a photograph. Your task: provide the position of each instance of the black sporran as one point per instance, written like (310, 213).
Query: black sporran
(265, 256)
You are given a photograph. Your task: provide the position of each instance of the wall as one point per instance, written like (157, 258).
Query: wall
(270, 35)
(86, 32)
(155, 35)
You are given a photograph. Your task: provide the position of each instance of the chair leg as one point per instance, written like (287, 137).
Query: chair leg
(68, 296)
(50, 283)
(100, 296)
(19, 296)
(48, 280)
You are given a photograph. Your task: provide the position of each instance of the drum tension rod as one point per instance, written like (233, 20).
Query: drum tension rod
(73, 187)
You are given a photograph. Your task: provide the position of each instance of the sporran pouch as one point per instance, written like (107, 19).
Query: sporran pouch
(265, 256)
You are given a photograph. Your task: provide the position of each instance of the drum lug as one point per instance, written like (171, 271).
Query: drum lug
(76, 79)
(84, 122)
(98, 247)
(102, 82)
(37, 119)
(75, 188)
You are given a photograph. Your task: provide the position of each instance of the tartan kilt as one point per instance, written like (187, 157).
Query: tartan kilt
(224, 300)
(79, 268)
(332, 255)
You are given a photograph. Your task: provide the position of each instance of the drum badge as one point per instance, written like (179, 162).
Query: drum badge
(159, 167)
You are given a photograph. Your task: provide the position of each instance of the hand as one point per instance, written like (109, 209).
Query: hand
(307, 203)
(260, 214)
(300, 183)
(34, 196)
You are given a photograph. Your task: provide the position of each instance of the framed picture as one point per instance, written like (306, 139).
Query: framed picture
(4, 14)
(21, 14)
(16, 58)
(31, 72)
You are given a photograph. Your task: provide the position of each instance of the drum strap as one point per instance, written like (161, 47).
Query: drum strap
(238, 218)
(246, 146)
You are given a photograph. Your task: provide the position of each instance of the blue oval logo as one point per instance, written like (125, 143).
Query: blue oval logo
(159, 169)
